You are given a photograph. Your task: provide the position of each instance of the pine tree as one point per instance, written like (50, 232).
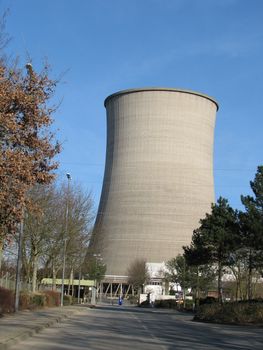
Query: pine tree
(215, 240)
(251, 228)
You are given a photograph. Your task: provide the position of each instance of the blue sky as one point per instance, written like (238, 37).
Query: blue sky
(102, 46)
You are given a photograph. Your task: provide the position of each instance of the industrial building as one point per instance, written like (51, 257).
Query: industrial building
(158, 179)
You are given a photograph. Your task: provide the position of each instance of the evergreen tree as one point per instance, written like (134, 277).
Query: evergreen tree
(251, 228)
(181, 271)
(215, 240)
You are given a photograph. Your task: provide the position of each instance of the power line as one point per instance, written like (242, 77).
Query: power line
(179, 167)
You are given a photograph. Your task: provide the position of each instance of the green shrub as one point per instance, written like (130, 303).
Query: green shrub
(24, 301)
(29, 300)
(38, 300)
(188, 305)
(133, 299)
(169, 303)
(207, 300)
(6, 300)
(52, 298)
(67, 300)
(33, 301)
(232, 313)
(145, 303)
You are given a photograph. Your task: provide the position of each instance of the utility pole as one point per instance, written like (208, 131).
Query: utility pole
(21, 231)
(65, 243)
(19, 262)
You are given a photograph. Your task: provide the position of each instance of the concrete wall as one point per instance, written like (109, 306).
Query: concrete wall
(158, 179)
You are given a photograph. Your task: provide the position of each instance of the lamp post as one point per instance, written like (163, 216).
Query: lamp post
(79, 286)
(94, 288)
(21, 232)
(65, 243)
(19, 262)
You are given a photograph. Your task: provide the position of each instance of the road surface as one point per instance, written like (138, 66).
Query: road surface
(127, 327)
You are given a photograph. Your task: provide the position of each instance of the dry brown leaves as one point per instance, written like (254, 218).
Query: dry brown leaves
(27, 144)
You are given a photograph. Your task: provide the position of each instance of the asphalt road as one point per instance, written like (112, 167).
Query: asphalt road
(123, 327)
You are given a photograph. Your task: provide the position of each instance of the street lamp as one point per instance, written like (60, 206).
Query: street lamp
(80, 262)
(94, 288)
(19, 262)
(65, 243)
(21, 233)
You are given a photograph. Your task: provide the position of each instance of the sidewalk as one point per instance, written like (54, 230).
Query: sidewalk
(23, 324)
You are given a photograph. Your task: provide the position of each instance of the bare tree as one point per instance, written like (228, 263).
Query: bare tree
(38, 228)
(138, 274)
(80, 219)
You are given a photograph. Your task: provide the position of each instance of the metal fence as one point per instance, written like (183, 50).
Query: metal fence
(9, 282)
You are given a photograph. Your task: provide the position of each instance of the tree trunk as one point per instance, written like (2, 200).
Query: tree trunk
(197, 293)
(54, 277)
(69, 280)
(184, 285)
(25, 264)
(237, 275)
(249, 284)
(72, 283)
(220, 292)
(1, 252)
(237, 288)
(34, 272)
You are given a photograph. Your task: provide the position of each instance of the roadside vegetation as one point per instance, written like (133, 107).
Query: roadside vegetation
(225, 258)
(138, 275)
(31, 301)
(244, 312)
(42, 220)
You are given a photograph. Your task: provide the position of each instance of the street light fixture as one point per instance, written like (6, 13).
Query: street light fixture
(65, 243)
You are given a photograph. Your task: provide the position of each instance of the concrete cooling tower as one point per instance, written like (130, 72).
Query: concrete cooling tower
(158, 179)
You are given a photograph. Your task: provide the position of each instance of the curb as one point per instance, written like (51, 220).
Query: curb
(16, 338)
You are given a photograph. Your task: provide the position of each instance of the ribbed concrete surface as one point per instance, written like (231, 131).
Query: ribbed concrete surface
(158, 179)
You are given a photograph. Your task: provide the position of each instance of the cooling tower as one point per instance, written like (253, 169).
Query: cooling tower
(158, 179)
